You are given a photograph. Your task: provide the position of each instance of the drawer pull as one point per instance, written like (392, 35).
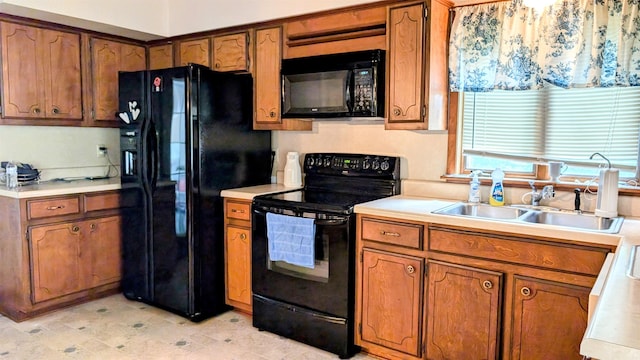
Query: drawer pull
(55, 207)
(487, 285)
(525, 291)
(388, 233)
(237, 211)
(411, 269)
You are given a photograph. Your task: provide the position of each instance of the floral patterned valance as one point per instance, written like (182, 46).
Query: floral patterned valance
(573, 43)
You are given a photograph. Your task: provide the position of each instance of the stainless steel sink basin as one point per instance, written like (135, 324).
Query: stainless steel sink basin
(483, 211)
(574, 220)
(588, 222)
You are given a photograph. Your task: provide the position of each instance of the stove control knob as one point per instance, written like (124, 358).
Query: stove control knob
(310, 161)
(366, 164)
(375, 165)
(384, 166)
(327, 162)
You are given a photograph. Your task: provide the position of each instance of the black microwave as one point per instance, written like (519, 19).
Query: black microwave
(334, 86)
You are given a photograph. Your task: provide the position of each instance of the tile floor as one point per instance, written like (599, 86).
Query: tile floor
(116, 328)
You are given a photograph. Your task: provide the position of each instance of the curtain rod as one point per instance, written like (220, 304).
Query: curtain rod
(477, 3)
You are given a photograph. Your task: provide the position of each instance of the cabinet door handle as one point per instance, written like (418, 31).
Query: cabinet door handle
(55, 110)
(237, 211)
(93, 226)
(525, 291)
(411, 269)
(55, 207)
(36, 110)
(396, 112)
(217, 65)
(243, 236)
(75, 228)
(389, 233)
(272, 114)
(487, 285)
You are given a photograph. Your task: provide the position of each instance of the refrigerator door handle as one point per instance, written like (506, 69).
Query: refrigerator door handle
(152, 158)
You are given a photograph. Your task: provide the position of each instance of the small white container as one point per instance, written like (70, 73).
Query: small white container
(11, 175)
(292, 171)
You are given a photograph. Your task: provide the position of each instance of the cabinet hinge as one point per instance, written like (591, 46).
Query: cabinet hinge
(424, 111)
(26, 235)
(361, 256)
(426, 13)
(424, 347)
(360, 329)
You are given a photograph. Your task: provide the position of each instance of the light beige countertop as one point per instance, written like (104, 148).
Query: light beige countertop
(52, 188)
(614, 331)
(249, 192)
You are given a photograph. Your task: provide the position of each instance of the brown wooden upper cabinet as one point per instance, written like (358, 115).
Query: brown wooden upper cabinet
(41, 73)
(417, 87)
(108, 58)
(160, 56)
(268, 53)
(267, 78)
(195, 51)
(230, 52)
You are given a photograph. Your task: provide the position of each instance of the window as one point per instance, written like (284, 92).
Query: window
(514, 129)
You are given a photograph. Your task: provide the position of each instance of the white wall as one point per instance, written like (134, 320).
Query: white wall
(424, 154)
(59, 151)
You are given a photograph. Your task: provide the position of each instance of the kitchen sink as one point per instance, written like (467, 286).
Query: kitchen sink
(575, 220)
(580, 221)
(482, 211)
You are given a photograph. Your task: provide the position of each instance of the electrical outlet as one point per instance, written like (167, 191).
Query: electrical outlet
(101, 150)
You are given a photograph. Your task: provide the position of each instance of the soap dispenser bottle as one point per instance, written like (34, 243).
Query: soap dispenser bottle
(474, 188)
(496, 197)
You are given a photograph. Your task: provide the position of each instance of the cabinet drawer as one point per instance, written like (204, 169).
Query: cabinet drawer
(237, 210)
(403, 234)
(533, 252)
(93, 202)
(53, 207)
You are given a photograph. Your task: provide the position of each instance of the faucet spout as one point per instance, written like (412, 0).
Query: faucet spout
(546, 193)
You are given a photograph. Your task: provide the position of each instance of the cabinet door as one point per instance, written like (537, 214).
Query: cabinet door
(56, 264)
(267, 76)
(195, 51)
(109, 57)
(62, 75)
(22, 93)
(405, 32)
(463, 307)
(230, 52)
(103, 249)
(238, 259)
(160, 57)
(549, 319)
(392, 300)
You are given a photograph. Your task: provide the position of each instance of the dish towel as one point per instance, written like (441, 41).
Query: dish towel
(291, 239)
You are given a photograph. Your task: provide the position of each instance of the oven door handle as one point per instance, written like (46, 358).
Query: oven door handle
(331, 222)
(338, 220)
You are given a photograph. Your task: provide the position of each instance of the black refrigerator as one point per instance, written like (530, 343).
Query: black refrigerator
(185, 135)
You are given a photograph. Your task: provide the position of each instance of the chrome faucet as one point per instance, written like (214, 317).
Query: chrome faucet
(546, 193)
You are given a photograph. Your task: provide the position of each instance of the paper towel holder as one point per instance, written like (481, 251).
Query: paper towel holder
(607, 202)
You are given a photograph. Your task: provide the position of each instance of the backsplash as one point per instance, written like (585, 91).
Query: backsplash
(61, 152)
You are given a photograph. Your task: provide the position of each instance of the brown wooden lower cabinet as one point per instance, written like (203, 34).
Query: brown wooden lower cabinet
(549, 319)
(52, 257)
(463, 312)
(237, 254)
(481, 295)
(392, 300)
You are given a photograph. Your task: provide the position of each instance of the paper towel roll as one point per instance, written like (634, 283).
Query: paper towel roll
(607, 203)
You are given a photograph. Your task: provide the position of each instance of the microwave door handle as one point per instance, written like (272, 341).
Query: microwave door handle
(348, 91)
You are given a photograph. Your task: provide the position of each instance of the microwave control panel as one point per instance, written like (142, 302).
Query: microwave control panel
(363, 83)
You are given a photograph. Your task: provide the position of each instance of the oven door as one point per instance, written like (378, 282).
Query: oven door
(329, 286)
